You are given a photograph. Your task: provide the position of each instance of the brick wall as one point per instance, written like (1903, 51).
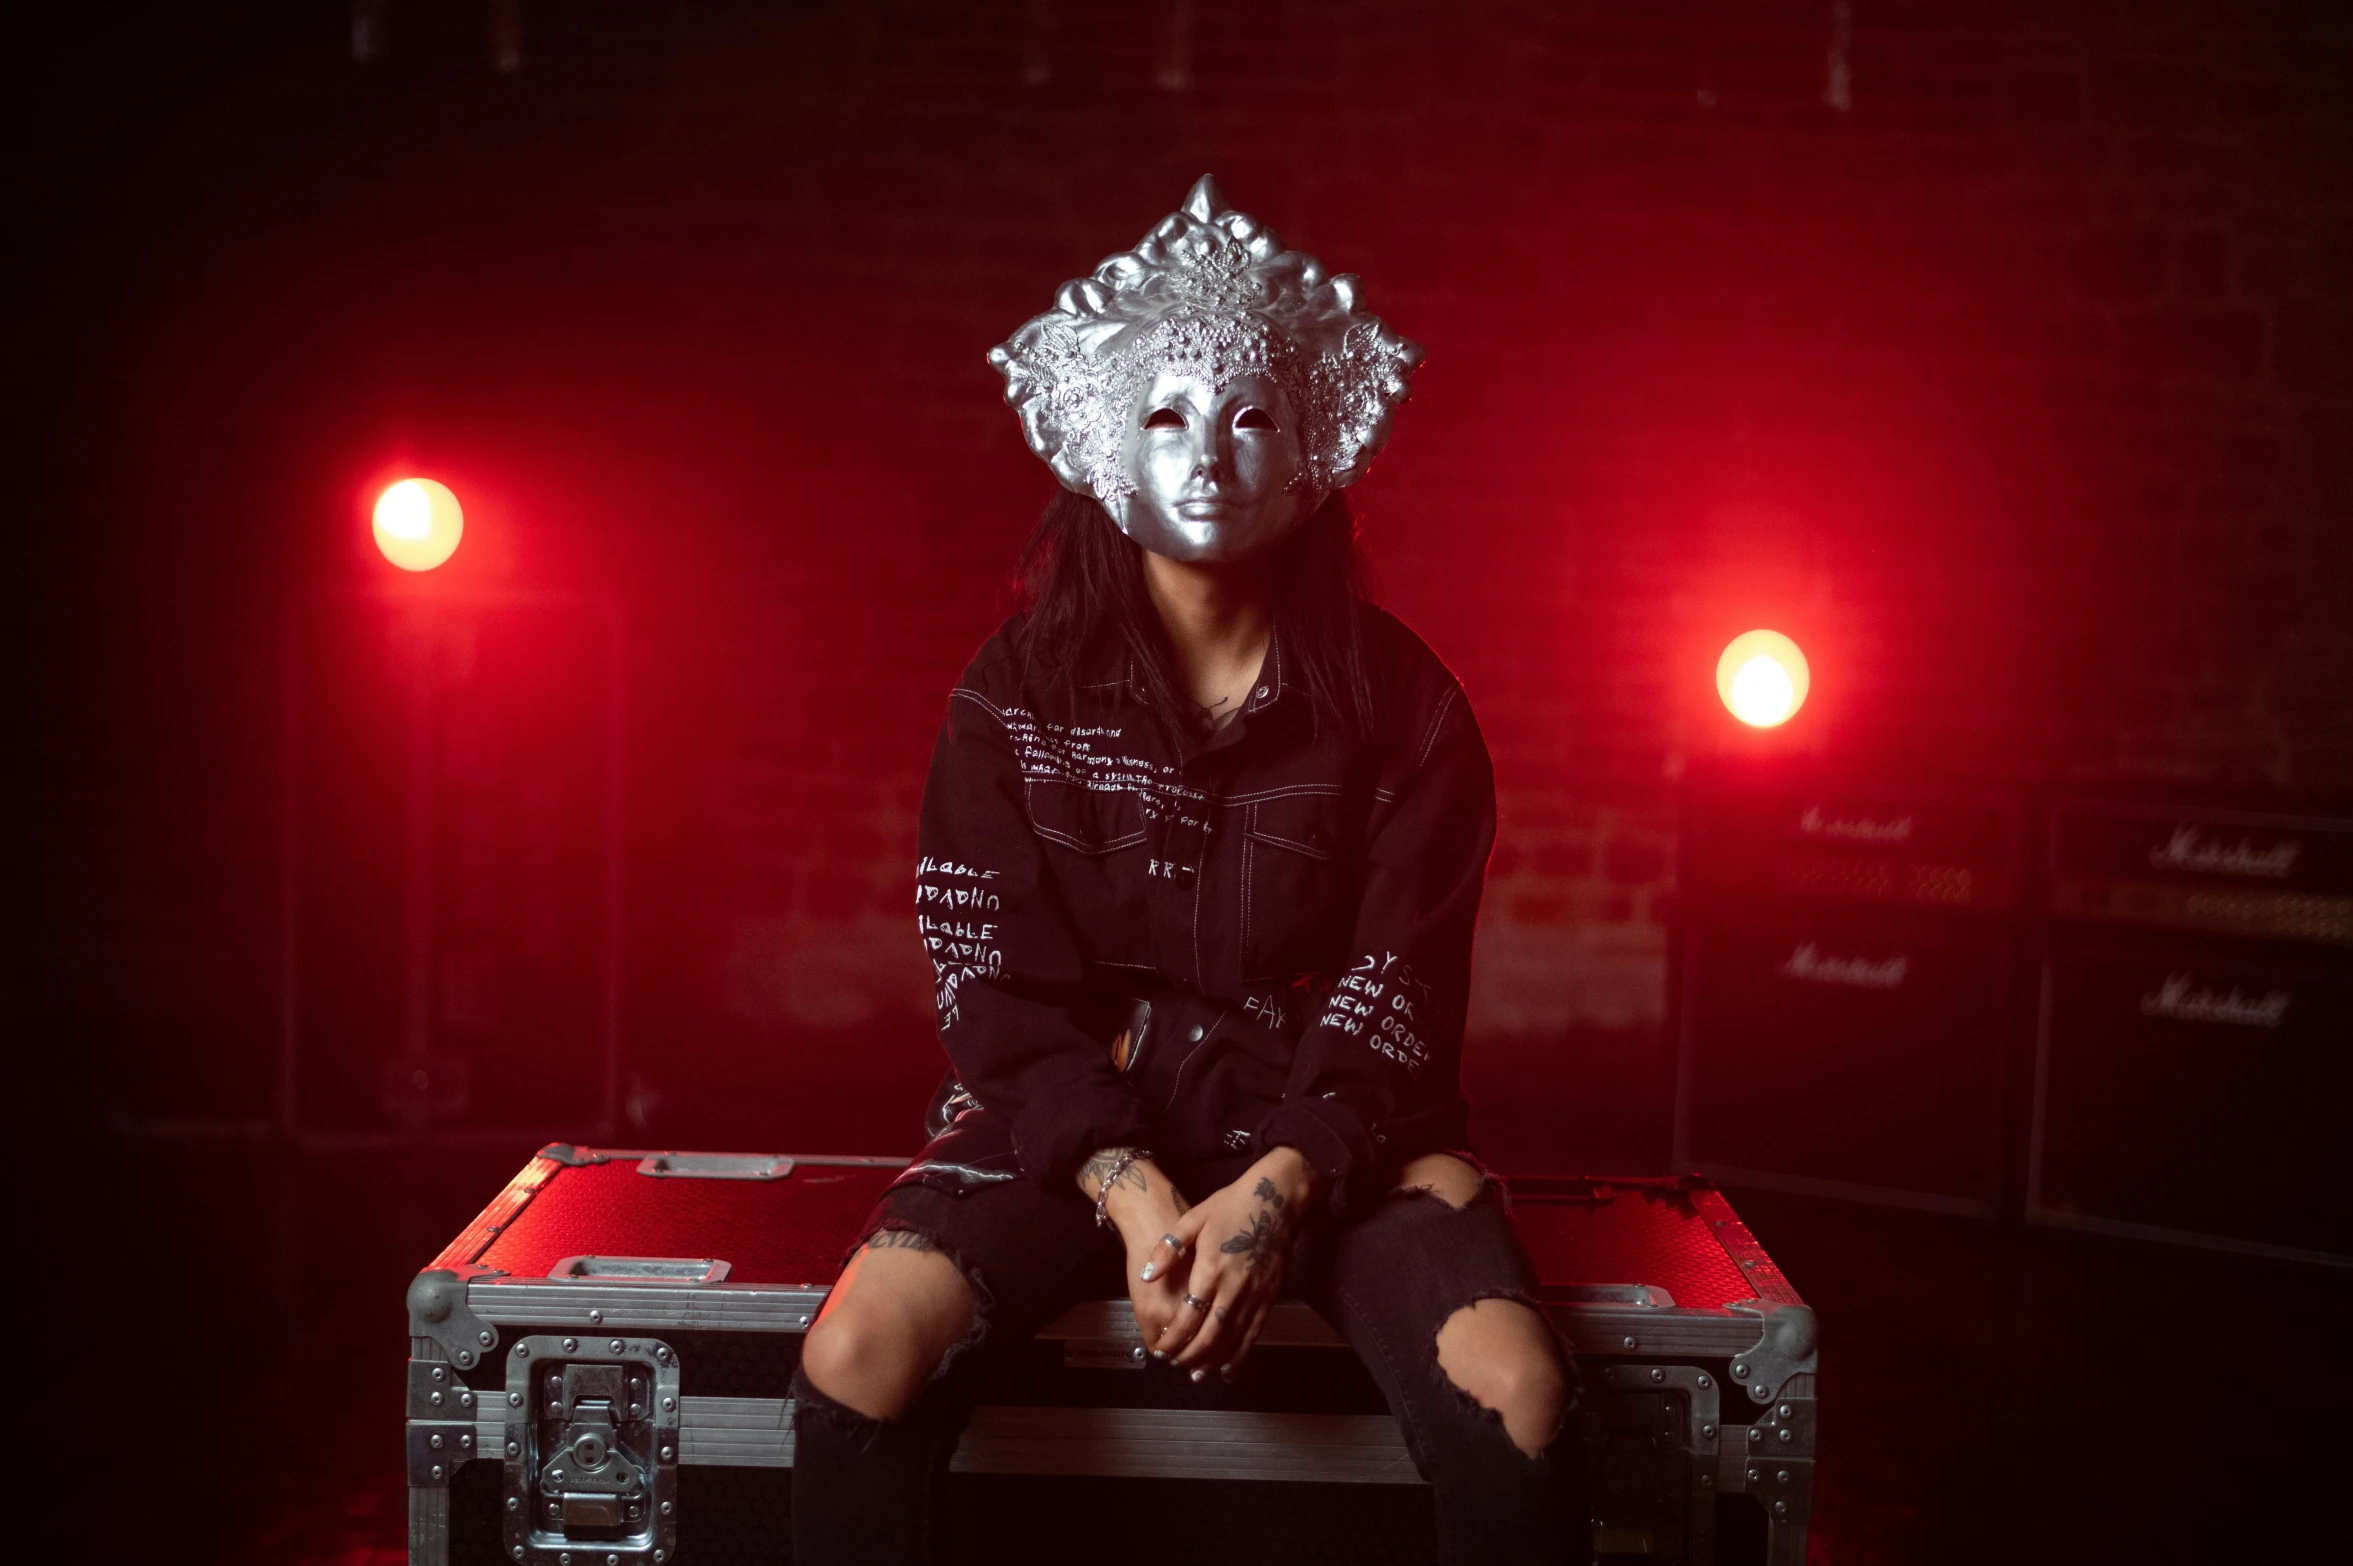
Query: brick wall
(2015, 389)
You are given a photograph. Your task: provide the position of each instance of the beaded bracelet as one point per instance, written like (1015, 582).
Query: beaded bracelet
(1121, 1164)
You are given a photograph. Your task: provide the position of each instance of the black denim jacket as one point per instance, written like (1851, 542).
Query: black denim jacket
(1262, 940)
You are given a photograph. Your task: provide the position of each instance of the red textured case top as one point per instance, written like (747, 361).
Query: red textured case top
(1670, 1234)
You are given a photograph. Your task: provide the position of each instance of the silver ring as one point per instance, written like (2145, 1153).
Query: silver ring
(1173, 1243)
(1196, 1302)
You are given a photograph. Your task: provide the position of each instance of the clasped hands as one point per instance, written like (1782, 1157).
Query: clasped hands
(1201, 1300)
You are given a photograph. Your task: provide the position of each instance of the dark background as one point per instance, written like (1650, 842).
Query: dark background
(2017, 389)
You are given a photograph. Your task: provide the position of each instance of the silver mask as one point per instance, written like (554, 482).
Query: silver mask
(1209, 387)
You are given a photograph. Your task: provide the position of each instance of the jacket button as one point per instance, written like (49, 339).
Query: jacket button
(1195, 1035)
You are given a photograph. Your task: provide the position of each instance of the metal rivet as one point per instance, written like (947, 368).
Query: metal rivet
(668, 1452)
(514, 1400)
(465, 1359)
(522, 1351)
(435, 1400)
(662, 1352)
(554, 1511)
(671, 1403)
(1705, 1383)
(565, 1558)
(1788, 1435)
(1783, 1411)
(514, 1503)
(513, 1450)
(466, 1441)
(465, 1400)
(440, 1374)
(1781, 1477)
(1629, 1345)
(1740, 1372)
(618, 1345)
(571, 1345)
(1756, 1473)
(1707, 1481)
(1658, 1375)
(596, 1318)
(1781, 1508)
(487, 1338)
(557, 1476)
(518, 1552)
(665, 1508)
(435, 1442)
(612, 1560)
(436, 1470)
(1707, 1430)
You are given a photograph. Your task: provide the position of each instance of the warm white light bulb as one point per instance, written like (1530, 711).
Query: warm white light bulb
(418, 524)
(1762, 678)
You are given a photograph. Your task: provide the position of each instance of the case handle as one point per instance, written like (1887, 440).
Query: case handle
(1647, 1295)
(714, 1166)
(639, 1269)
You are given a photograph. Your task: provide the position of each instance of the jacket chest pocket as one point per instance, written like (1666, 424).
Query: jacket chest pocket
(1296, 886)
(1094, 842)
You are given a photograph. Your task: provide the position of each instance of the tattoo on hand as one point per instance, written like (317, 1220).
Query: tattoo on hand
(1096, 1167)
(900, 1240)
(1262, 1242)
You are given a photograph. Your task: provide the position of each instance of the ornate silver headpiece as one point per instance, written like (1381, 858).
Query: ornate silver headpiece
(1209, 291)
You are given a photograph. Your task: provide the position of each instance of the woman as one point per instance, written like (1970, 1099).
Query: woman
(1201, 851)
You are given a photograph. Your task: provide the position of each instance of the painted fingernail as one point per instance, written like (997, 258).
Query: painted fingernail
(1160, 1353)
(1149, 1273)
(1200, 1376)
(1227, 1371)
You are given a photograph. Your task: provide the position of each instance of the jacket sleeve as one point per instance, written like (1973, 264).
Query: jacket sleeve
(1378, 1076)
(1007, 965)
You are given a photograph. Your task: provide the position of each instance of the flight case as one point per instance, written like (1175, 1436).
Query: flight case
(600, 1366)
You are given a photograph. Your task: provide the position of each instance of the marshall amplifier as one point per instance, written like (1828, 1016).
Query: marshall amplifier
(1847, 963)
(1888, 848)
(453, 834)
(2196, 1013)
(2270, 878)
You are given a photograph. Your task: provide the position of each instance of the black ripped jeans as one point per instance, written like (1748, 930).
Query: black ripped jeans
(870, 1491)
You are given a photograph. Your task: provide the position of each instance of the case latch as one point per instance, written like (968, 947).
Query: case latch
(591, 1449)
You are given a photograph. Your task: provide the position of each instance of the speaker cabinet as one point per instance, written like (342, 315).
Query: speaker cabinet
(1846, 992)
(2191, 1061)
(453, 794)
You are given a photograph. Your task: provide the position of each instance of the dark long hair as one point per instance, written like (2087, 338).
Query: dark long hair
(1080, 586)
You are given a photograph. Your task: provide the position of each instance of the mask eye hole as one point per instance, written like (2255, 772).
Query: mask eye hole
(1254, 419)
(1164, 419)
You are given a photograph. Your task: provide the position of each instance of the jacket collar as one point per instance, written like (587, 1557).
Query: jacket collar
(1269, 690)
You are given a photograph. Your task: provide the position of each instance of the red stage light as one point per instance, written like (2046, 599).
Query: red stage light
(1762, 678)
(418, 524)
